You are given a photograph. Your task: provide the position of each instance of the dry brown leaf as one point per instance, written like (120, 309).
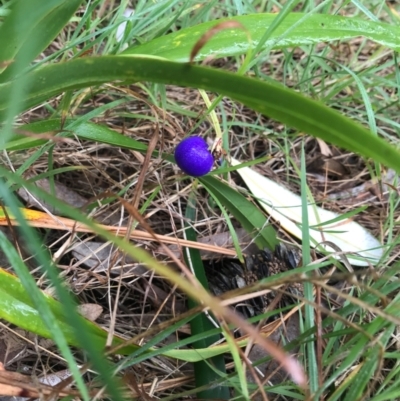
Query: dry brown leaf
(102, 257)
(90, 311)
(43, 220)
(210, 33)
(61, 192)
(324, 148)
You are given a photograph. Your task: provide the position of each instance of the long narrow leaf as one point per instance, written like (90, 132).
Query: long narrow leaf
(16, 307)
(19, 302)
(295, 30)
(249, 216)
(31, 26)
(275, 101)
(83, 130)
(42, 220)
(204, 373)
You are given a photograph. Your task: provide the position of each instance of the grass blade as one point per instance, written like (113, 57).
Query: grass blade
(205, 374)
(249, 216)
(30, 28)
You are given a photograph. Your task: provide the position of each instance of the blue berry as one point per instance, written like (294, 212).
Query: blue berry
(193, 157)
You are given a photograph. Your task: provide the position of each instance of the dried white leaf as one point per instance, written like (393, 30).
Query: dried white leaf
(56, 378)
(122, 26)
(285, 207)
(90, 311)
(324, 148)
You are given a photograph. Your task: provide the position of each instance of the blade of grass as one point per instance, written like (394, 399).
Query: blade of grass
(83, 130)
(18, 34)
(359, 385)
(273, 100)
(359, 343)
(309, 322)
(204, 374)
(249, 216)
(38, 23)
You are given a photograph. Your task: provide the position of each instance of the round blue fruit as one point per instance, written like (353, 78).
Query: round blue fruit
(193, 157)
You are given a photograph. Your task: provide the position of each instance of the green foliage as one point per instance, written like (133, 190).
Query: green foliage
(295, 30)
(206, 372)
(159, 56)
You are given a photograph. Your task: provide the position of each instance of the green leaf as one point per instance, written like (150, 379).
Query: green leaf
(273, 100)
(249, 216)
(359, 384)
(309, 312)
(31, 27)
(18, 307)
(205, 374)
(83, 130)
(295, 30)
